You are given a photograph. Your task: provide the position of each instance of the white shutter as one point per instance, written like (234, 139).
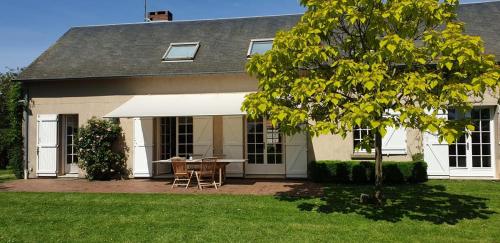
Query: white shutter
(436, 154)
(296, 155)
(394, 142)
(143, 147)
(203, 136)
(232, 127)
(47, 145)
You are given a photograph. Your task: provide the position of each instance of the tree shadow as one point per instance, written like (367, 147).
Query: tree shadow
(421, 202)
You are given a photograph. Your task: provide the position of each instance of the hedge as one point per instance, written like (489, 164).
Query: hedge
(362, 172)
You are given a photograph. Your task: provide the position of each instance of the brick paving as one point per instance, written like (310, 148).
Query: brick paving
(232, 186)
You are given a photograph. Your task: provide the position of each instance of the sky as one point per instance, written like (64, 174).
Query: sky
(29, 27)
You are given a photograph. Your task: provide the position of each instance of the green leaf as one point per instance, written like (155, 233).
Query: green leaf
(449, 65)
(262, 107)
(369, 85)
(391, 48)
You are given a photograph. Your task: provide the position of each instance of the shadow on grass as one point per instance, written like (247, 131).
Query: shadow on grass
(430, 203)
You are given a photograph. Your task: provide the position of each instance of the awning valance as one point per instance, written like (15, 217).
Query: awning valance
(213, 104)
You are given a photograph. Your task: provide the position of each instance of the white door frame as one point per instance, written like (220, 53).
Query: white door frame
(469, 170)
(71, 168)
(265, 168)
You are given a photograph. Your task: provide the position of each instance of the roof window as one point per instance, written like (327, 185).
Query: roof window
(181, 51)
(259, 46)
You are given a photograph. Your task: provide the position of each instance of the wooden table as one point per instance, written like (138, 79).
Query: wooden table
(221, 165)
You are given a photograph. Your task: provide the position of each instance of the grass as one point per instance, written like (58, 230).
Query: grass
(6, 175)
(440, 211)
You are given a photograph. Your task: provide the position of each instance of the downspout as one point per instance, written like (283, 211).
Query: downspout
(25, 130)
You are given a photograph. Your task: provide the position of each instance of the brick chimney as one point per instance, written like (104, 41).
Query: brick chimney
(160, 16)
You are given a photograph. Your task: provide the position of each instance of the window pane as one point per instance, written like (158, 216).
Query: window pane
(485, 126)
(461, 149)
(452, 149)
(251, 138)
(251, 159)
(476, 161)
(271, 159)
(259, 159)
(476, 149)
(259, 128)
(462, 161)
(486, 149)
(476, 137)
(186, 51)
(279, 159)
(251, 148)
(461, 139)
(486, 161)
(251, 127)
(271, 148)
(182, 139)
(259, 148)
(259, 138)
(485, 114)
(69, 159)
(261, 47)
(451, 114)
(453, 161)
(485, 136)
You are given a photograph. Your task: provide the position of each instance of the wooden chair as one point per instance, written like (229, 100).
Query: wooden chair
(181, 173)
(206, 175)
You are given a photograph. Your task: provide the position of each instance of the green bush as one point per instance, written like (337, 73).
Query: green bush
(362, 172)
(96, 155)
(11, 116)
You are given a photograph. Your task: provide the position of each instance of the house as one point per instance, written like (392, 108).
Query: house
(176, 88)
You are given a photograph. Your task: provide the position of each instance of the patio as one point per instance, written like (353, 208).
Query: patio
(232, 186)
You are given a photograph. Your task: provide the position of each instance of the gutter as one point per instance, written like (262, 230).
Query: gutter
(25, 102)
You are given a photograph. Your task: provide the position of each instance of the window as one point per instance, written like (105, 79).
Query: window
(264, 143)
(168, 137)
(181, 51)
(71, 126)
(360, 136)
(477, 146)
(185, 137)
(259, 46)
(176, 137)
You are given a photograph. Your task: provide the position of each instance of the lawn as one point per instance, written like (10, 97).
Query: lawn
(6, 175)
(440, 211)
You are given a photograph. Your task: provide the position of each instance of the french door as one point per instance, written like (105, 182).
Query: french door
(69, 130)
(265, 149)
(472, 155)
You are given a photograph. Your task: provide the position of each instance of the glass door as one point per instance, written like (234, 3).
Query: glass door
(265, 149)
(472, 155)
(69, 129)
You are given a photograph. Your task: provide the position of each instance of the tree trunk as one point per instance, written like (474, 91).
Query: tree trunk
(378, 196)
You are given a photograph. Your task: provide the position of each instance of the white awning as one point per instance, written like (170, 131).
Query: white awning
(213, 104)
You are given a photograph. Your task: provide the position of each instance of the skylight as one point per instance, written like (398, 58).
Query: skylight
(259, 46)
(181, 51)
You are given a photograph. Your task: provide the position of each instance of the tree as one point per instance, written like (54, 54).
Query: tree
(374, 64)
(11, 137)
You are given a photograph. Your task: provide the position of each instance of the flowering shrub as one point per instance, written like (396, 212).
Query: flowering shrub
(97, 157)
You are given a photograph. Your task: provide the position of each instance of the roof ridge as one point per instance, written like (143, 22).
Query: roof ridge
(190, 20)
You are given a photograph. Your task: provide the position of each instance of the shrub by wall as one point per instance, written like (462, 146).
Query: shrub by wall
(95, 142)
(361, 172)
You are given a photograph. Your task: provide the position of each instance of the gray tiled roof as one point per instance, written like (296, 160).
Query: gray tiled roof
(137, 49)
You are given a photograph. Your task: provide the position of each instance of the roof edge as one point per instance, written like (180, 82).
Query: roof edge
(189, 20)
